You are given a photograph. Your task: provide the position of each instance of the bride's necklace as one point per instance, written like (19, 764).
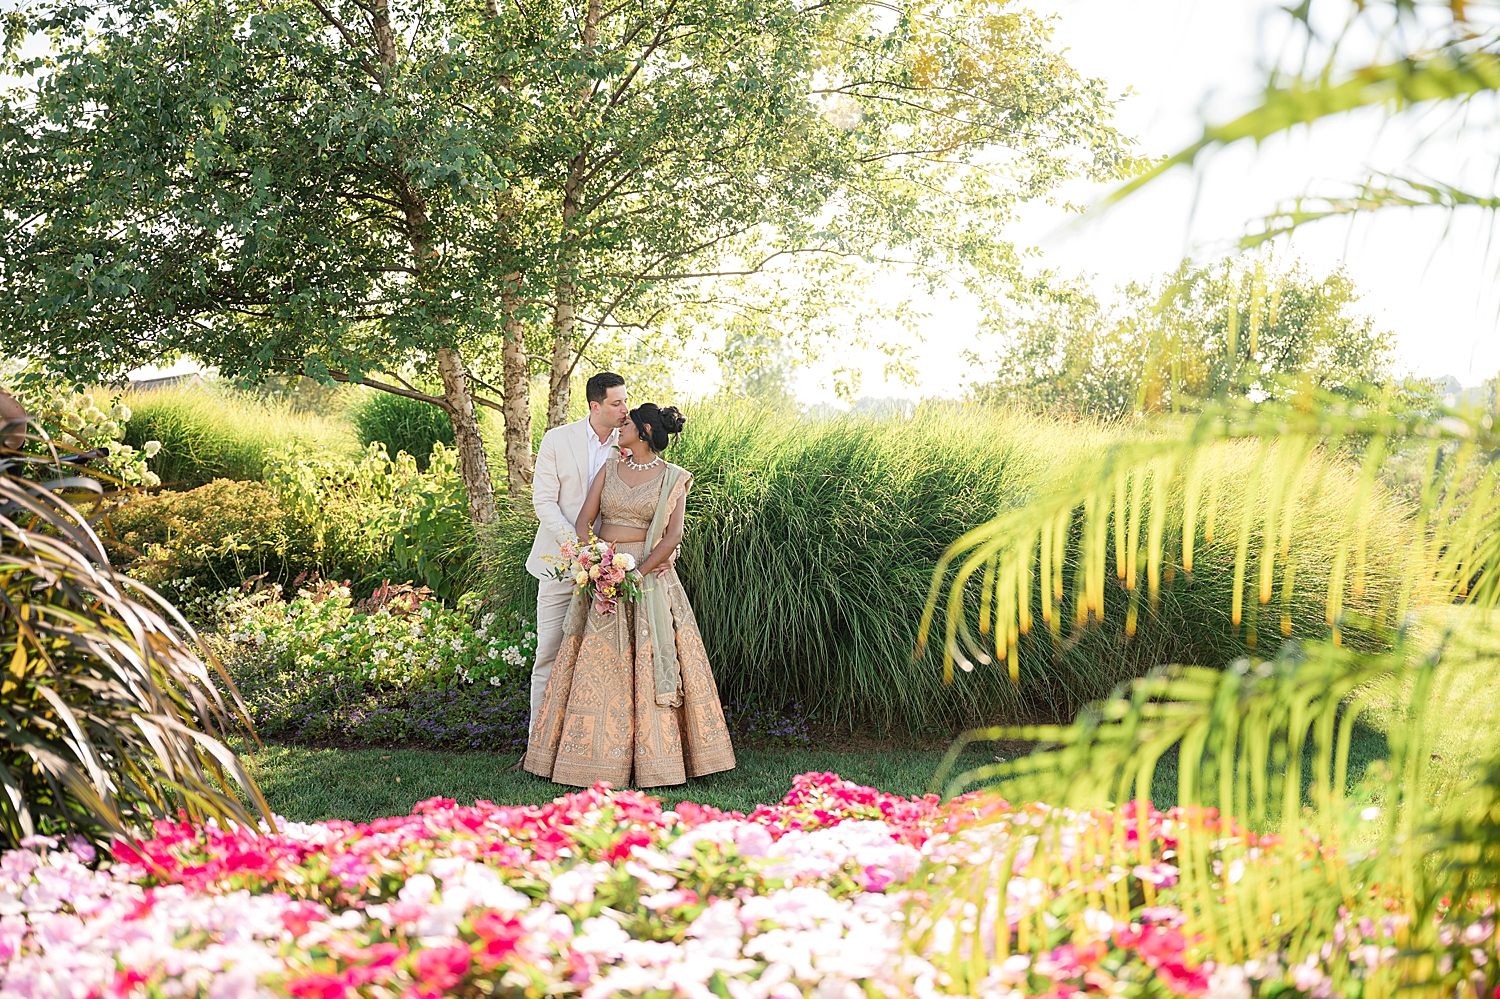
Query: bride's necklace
(631, 463)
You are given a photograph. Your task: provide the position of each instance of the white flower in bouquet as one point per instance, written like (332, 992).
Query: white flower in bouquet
(595, 572)
(624, 560)
(580, 577)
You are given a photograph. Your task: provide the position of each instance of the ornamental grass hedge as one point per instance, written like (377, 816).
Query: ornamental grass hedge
(811, 545)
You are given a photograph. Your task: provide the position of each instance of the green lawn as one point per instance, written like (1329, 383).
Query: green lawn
(359, 784)
(306, 784)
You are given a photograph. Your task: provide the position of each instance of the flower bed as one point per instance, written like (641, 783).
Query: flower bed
(410, 670)
(839, 892)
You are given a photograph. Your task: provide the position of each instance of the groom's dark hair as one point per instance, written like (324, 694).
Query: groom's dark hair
(598, 386)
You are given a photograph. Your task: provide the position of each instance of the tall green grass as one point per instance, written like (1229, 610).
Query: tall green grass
(208, 433)
(401, 424)
(811, 545)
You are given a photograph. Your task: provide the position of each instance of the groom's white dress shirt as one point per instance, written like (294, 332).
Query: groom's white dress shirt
(566, 463)
(599, 452)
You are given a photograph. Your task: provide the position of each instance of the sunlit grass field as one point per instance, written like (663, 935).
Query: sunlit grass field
(217, 433)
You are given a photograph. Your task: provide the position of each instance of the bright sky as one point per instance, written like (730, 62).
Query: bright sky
(1189, 58)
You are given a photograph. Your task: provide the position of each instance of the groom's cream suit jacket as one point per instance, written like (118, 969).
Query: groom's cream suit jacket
(559, 485)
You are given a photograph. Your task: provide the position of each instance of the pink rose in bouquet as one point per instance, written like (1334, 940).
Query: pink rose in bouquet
(606, 575)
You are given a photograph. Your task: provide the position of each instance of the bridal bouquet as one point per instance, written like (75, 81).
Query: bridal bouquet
(606, 575)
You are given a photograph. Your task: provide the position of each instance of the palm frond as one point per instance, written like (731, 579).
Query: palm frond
(1442, 56)
(1263, 752)
(1141, 511)
(1263, 745)
(1394, 192)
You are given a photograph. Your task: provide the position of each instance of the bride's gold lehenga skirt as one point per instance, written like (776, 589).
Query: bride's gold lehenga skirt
(599, 720)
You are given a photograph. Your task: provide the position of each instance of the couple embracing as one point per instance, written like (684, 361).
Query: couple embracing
(622, 694)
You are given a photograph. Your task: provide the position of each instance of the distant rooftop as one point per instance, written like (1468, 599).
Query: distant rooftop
(165, 381)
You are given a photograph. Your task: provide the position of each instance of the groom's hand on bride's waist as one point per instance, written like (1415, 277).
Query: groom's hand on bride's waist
(670, 563)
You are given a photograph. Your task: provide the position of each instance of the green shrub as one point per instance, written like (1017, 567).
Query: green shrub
(416, 523)
(214, 537)
(209, 433)
(401, 424)
(321, 513)
(810, 547)
(68, 422)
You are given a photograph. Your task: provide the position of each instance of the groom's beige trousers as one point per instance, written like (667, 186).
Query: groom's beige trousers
(552, 599)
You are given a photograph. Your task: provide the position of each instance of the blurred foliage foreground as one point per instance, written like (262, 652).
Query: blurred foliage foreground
(1276, 863)
(110, 716)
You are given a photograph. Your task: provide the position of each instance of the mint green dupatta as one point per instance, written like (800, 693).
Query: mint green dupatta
(654, 606)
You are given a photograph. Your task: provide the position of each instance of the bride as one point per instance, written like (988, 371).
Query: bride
(631, 699)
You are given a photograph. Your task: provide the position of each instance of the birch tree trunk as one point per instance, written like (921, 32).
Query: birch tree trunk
(517, 397)
(564, 321)
(565, 313)
(473, 464)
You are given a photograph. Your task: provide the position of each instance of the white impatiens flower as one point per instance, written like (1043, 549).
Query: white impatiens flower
(576, 884)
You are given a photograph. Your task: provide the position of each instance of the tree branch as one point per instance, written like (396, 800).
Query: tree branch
(344, 376)
(343, 29)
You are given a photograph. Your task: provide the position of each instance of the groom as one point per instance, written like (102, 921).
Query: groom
(566, 463)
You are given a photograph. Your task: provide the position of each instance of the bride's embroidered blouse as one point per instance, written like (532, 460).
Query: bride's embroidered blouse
(622, 505)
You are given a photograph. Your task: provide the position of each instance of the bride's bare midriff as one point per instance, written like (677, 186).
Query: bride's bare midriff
(615, 532)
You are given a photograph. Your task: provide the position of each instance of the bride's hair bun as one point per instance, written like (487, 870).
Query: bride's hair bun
(656, 425)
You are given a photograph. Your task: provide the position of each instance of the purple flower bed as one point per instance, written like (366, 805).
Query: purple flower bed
(760, 723)
(348, 707)
(469, 716)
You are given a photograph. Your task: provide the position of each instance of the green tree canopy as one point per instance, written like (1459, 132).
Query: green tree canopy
(364, 189)
(1236, 328)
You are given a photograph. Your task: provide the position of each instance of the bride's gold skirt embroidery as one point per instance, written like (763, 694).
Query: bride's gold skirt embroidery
(599, 720)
